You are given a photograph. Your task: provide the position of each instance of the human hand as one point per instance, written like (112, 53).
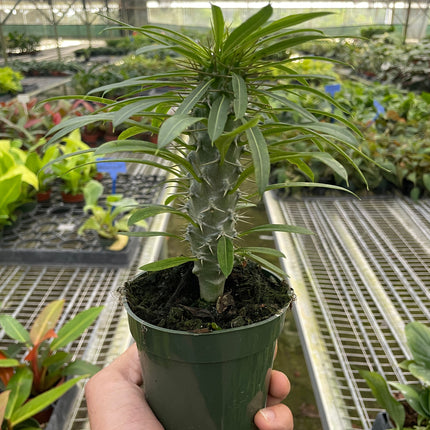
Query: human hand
(116, 401)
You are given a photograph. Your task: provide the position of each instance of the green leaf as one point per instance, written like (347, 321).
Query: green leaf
(149, 234)
(136, 108)
(42, 401)
(75, 327)
(331, 162)
(81, 367)
(218, 116)
(217, 25)
(20, 389)
(277, 227)
(153, 210)
(289, 21)
(260, 157)
(225, 140)
(260, 250)
(247, 27)
(382, 394)
(193, 98)
(418, 338)
(225, 255)
(10, 189)
(166, 263)
(307, 184)
(173, 127)
(426, 180)
(240, 103)
(283, 45)
(420, 372)
(9, 362)
(14, 329)
(268, 265)
(412, 396)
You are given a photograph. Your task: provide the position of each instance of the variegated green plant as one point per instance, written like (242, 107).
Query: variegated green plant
(218, 124)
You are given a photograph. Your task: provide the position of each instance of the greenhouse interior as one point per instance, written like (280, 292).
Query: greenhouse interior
(318, 109)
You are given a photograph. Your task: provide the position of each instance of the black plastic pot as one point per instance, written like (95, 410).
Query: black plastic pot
(210, 381)
(382, 422)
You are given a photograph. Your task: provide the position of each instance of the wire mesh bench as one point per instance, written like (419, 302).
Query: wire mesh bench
(359, 279)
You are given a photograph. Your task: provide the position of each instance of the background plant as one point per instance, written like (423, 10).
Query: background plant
(20, 43)
(35, 379)
(397, 139)
(416, 396)
(10, 80)
(77, 171)
(110, 220)
(15, 179)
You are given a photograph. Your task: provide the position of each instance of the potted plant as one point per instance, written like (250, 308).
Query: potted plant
(36, 161)
(15, 180)
(410, 409)
(75, 172)
(107, 221)
(30, 385)
(217, 126)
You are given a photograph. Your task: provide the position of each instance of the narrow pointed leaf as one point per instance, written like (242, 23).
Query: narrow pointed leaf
(248, 27)
(307, 184)
(81, 367)
(277, 227)
(149, 234)
(218, 25)
(173, 127)
(218, 116)
(260, 157)
(75, 327)
(135, 108)
(153, 210)
(42, 401)
(289, 21)
(331, 162)
(225, 255)
(286, 44)
(240, 96)
(260, 250)
(193, 98)
(46, 321)
(14, 329)
(225, 140)
(20, 385)
(382, 394)
(268, 265)
(166, 263)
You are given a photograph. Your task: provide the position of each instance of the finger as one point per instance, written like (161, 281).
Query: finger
(279, 388)
(114, 398)
(128, 365)
(278, 417)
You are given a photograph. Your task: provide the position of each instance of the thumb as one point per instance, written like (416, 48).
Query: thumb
(278, 417)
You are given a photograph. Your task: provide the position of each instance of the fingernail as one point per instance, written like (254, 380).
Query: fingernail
(268, 414)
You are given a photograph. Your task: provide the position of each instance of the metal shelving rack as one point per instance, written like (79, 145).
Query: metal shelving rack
(25, 289)
(359, 279)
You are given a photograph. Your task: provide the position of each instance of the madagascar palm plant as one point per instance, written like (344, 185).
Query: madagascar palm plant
(218, 125)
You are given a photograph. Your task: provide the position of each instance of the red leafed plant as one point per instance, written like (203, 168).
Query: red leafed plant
(34, 370)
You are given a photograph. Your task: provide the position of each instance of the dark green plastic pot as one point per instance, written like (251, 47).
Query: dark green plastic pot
(210, 381)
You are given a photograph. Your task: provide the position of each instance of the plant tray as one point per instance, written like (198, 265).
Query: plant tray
(47, 233)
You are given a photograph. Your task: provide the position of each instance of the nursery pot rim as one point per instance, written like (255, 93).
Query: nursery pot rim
(210, 333)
